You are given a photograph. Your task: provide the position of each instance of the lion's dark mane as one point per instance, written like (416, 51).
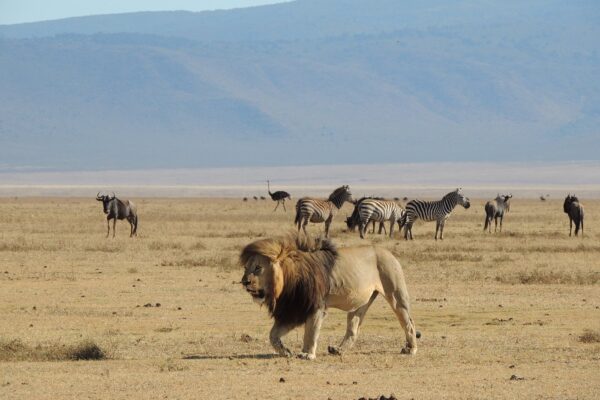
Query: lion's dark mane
(306, 267)
(306, 277)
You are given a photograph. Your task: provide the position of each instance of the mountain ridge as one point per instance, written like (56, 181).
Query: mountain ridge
(508, 89)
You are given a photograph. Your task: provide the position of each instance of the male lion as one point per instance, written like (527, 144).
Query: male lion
(298, 281)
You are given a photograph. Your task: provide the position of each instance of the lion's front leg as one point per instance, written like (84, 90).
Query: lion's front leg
(277, 332)
(312, 328)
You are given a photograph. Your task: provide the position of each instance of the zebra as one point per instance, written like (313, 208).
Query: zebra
(315, 210)
(495, 209)
(438, 211)
(381, 211)
(115, 209)
(354, 220)
(574, 209)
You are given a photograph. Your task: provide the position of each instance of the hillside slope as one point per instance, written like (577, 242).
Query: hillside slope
(303, 82)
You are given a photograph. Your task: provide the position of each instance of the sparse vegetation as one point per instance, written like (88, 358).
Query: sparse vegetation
(590, 336)
(15, 350)
(167, 308)
(542, 277)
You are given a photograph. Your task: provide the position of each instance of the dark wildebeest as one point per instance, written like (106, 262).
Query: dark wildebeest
(574, 210)
(353, 221)
(495, 209)
(115, 209)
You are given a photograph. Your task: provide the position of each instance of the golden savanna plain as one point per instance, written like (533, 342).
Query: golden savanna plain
(508, 315)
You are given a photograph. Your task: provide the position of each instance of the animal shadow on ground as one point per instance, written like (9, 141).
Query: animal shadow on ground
(231, 357)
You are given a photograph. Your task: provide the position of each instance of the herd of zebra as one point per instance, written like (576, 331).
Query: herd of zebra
(367, 210)
(370, 210)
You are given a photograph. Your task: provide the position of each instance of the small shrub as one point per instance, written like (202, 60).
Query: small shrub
(15, 350)
(590, 336)
(85, 351)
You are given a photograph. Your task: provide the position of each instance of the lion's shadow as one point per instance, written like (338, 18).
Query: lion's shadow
(231, 357)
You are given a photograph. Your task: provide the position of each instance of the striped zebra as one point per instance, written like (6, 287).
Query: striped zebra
(353, 221)
(438, 211)
(574, 209)
(495, 209)
(317, 211)
(380, 211)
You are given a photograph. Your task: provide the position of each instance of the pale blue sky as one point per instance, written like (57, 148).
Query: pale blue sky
(17, 11)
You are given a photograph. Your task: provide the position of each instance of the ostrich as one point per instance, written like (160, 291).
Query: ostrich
(279, 196)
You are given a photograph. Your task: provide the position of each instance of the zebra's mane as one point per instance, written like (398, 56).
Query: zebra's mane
(337, 193)
(453, 194)
(340, 195)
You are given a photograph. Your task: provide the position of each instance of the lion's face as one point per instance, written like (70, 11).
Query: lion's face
(257, 277)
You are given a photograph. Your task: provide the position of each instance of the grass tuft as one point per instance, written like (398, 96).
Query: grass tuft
(15, 350)
(590, 336)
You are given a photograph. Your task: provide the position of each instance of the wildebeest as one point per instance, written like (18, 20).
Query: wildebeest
(495, 209)
(574, 210)
(115, 209)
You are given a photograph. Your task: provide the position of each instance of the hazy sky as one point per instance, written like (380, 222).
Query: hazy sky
(17, 11)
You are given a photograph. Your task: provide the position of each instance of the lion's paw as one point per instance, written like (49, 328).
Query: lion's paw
(408, 350)
(285, 352)
(334, 350)
(306, 356)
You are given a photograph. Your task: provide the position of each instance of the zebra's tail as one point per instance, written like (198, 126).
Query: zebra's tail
(486, 223)
(298, 214)
(402, 220)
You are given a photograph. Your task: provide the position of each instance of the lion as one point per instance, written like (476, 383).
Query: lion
(299, 280)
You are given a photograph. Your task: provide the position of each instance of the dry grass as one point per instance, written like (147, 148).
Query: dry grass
(544, 277)
(489, 307)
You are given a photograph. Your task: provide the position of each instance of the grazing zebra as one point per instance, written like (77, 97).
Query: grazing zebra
(354, 220)
(438, 211)
(314, 210)
(381, 211)
(574, 209)
(495, 209)
(115, 209)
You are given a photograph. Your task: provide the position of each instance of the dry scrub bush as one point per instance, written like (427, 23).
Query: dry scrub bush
(15, 350)
(590, 336)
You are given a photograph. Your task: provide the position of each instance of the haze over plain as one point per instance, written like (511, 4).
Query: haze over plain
(305, 82)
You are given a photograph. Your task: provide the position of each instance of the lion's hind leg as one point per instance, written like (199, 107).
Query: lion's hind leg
(398, 299)
(312, 328)
(355, 320)
(277, 332)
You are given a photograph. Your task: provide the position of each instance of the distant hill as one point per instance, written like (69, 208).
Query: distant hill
(305, 82)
